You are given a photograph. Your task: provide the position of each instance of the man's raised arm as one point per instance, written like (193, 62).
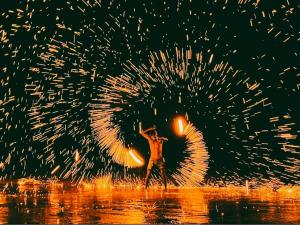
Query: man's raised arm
(144, 132)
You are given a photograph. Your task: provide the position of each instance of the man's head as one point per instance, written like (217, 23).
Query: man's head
(153, 135)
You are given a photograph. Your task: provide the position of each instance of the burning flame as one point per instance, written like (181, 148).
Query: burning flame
(180, 125)
(136, 157)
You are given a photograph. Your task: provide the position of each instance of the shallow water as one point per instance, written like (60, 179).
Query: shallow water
(64, 203)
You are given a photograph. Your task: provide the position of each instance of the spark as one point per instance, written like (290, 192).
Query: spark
(55, 169)
(77, 156)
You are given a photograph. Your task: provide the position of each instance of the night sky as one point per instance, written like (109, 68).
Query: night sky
(57, 58)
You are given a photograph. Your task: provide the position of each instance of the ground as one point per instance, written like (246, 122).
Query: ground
(56, 202)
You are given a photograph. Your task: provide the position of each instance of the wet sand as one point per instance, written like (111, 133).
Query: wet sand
(65, 203)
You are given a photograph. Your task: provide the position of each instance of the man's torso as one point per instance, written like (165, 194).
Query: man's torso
(156, 149)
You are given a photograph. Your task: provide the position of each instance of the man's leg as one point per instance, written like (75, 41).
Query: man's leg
(149, 168)
(163, 173)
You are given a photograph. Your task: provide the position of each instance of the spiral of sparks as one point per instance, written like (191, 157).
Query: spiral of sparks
(191, 170)
(200, 75)
(243, 99)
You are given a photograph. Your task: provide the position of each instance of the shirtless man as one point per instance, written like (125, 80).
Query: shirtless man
(156, 144)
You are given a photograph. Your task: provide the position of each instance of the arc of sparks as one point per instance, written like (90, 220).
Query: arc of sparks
(195, 166)
(137, 82)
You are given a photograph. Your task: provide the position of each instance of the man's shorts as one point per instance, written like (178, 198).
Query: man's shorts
(159, 163)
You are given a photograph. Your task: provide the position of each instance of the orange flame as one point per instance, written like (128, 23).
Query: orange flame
(180, 124)
(136, 157)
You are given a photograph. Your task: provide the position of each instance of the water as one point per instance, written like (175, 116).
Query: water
(65, 203)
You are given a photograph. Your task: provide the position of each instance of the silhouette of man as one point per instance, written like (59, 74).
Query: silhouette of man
(156, 147)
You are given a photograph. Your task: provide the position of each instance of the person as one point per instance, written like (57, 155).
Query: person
(156, 158)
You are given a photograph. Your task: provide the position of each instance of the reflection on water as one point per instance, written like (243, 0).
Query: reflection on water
(55, 203)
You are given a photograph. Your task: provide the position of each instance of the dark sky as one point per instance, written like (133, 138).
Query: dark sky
(56, 56)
